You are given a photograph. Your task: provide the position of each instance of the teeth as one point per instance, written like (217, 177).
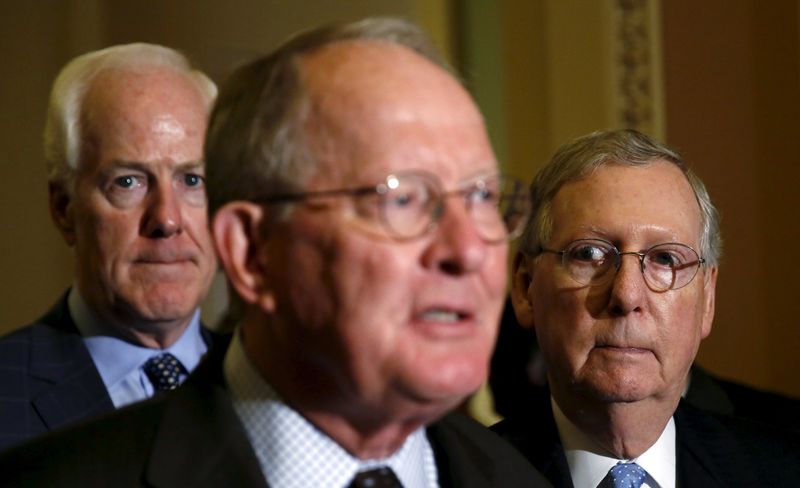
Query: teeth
(440, 316)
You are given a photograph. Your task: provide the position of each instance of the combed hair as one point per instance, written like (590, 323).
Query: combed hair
(579, 158)
(62, 132)
(255, 145)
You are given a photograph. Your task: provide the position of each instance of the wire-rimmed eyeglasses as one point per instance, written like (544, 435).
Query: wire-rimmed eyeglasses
(410, 203)
(667, 266)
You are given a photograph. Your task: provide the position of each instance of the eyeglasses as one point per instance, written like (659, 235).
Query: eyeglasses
(409, 204)
(665, 267)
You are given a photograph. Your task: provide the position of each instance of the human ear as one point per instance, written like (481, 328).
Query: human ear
(521, 282)
(709, 293)
(240, 243)
(61, 211)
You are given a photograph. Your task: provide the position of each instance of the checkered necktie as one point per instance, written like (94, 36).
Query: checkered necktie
(627, 475)
(382, 477)
(164, 371)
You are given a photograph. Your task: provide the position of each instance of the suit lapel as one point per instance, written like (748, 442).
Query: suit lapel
(72, 387)
(536, 436)
(200, 441)
(458, 461)
(708, 454)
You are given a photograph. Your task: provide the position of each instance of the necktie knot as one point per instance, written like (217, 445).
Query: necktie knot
(627, 475)
(382, 477)
(164, 371)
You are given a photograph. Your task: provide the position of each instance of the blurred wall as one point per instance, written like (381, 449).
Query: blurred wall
(732, 73)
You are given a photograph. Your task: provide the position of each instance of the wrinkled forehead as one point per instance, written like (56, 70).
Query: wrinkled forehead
(374, 106)
(625, 200)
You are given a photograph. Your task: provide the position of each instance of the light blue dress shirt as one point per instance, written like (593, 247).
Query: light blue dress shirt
(120, 362)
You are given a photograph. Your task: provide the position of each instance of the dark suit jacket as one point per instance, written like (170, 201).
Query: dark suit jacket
(712, 450)
(191, 437)
(48, 379)
(719, 395)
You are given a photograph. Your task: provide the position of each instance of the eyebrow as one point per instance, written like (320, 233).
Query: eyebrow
(146, 168)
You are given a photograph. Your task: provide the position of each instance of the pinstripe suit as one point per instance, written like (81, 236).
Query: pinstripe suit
(48, 378)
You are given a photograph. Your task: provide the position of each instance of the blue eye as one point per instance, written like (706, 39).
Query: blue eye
(192, 180)
(485, 195)
(127, 181)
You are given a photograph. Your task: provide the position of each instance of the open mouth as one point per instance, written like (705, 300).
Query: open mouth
(441, 315)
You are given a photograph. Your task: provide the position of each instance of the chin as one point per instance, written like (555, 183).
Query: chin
(620, 391)
(166, 308)
(454, 382)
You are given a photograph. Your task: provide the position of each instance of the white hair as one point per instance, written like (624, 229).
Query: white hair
(62, 131)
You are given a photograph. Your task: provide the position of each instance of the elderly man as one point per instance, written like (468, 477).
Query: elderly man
(123, 145)
(616, 273)
(362, 224)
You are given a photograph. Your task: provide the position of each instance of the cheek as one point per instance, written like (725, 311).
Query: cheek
(563, 324)
(495, 273)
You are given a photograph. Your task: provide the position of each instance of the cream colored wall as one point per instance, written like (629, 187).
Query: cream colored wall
(38, 37)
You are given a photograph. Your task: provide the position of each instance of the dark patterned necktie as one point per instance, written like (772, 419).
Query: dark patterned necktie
(627, 475)
(382, 477)
(164, 371)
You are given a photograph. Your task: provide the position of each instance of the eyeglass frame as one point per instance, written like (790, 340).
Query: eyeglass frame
(437, 212)
(641, 255)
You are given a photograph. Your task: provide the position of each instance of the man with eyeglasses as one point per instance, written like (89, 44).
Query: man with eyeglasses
(616, 272)
(363, 226)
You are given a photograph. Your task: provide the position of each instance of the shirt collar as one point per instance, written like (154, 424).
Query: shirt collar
(115, 358)
(589, 463)
(293, 452)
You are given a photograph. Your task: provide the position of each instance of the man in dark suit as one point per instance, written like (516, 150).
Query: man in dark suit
(123, 145)
(616, 274)
(362, 223)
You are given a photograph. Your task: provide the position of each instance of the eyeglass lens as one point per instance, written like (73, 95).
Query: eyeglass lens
(665, 266)
(412, 203)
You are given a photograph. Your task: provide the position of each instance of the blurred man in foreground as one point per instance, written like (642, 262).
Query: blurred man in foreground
(363, 226)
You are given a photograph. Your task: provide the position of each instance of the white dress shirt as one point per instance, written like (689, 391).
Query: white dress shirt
(120, 362)
(293, 453)
(589, 463)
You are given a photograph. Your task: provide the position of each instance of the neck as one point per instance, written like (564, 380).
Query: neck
(624, 429)
(366, 429)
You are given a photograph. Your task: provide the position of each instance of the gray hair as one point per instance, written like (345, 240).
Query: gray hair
(255, 144)
(62, 132)
(577, 159)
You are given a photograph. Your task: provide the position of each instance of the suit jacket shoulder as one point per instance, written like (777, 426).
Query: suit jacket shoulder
(717, 450)
(730, 398)
(47, 377)
(470, 455)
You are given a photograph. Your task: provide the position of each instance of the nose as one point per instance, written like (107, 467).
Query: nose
(456, 247)
(163, 214)
(628, 287)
